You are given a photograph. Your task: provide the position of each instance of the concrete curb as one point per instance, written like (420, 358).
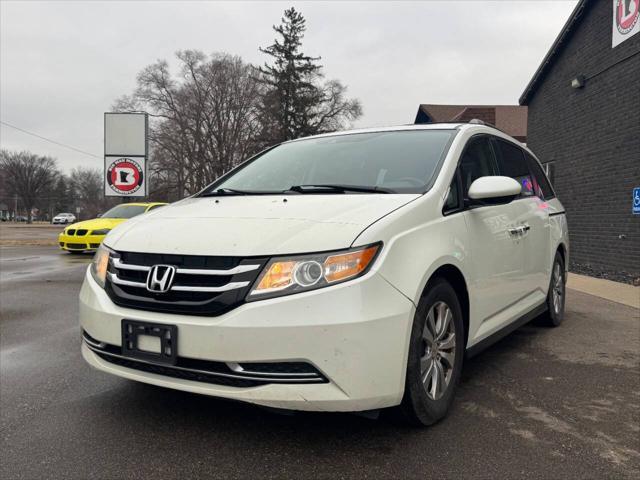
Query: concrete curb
(613, 291)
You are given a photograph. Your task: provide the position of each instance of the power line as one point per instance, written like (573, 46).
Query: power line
(49, 140)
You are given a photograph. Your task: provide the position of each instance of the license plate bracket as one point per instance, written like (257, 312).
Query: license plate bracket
(168, 335)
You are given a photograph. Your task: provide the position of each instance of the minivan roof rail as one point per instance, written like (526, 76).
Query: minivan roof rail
(477, 121)
(473, 121)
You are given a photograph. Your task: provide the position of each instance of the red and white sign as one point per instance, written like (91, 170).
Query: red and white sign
(626, 20)
(125, 176)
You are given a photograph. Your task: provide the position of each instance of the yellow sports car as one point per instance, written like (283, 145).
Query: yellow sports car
(88, 235)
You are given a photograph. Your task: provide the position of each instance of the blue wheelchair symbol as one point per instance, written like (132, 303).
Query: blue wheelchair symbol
(636, 201)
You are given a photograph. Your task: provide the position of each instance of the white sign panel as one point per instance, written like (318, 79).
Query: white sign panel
(626, 20)
(125, 154)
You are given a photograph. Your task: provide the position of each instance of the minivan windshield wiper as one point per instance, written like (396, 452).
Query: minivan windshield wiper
(335, 188)
(320, 188)
(232, 191)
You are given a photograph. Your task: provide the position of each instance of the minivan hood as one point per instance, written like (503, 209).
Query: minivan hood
(255, 225)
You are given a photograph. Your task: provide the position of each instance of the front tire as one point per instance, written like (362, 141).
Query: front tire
(436, 353)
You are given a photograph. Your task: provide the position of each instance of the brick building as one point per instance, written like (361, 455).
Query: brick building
(584, 124)
(511, 119)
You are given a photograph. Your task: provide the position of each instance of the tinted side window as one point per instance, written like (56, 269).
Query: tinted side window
(511, 163)
(477, 161)
(541, 185)
(550, 171)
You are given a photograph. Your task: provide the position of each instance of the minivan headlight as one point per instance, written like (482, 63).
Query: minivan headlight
(99, 265)
(287, 275)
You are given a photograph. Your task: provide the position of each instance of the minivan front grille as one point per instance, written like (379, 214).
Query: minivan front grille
(202, 285)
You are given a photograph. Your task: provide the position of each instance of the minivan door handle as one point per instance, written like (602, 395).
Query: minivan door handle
(520, 230)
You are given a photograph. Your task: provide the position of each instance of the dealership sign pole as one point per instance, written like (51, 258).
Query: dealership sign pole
(126, 151)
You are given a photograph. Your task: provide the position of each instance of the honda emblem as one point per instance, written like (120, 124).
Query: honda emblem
(160, 278)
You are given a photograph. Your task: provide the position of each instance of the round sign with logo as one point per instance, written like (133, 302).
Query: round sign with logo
(125, 176)
(627, 13)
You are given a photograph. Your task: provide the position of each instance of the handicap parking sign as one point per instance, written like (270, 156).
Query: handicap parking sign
(636, 201)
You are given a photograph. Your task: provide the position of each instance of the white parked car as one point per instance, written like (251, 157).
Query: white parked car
(63, 218)
(343, 272)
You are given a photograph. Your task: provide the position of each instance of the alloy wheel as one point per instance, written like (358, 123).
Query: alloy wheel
(439, 350)
(557, 286)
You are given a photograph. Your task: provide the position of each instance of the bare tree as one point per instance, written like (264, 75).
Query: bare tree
(45, 202)
(88, 189)
(204, 120)
(28, 176)
(62, 195)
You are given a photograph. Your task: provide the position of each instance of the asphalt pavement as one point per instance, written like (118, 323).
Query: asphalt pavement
(542, 403)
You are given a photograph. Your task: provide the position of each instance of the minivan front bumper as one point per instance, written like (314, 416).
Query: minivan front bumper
(355, 334)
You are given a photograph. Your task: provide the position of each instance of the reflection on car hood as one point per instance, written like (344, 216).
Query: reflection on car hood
(255, 225)
(97, 224)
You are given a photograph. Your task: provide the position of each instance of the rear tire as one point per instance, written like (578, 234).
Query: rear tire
(556, 294)
(436, 353)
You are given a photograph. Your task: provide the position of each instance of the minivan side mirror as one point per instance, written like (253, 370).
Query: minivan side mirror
(493, 190)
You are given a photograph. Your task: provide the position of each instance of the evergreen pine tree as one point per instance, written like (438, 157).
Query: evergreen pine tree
(296, 103)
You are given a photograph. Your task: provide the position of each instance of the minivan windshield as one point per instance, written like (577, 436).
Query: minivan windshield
(125, 211)
(402, 161)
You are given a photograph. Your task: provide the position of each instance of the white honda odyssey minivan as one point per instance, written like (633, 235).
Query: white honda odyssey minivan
(350, 271)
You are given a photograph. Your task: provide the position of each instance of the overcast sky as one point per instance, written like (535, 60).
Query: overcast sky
(62, 64)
